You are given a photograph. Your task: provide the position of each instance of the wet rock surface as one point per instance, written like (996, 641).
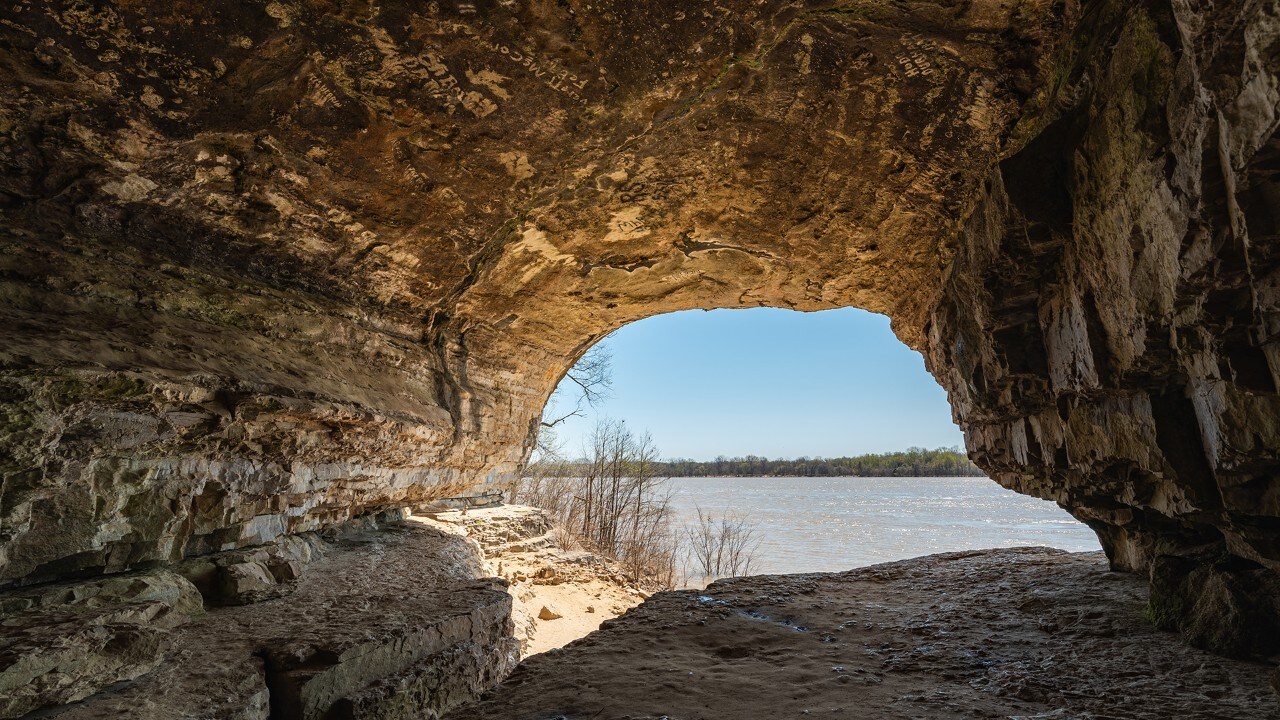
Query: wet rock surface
(1011, 633)
(396, 622)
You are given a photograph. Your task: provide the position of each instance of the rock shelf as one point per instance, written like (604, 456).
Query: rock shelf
(1011, 633)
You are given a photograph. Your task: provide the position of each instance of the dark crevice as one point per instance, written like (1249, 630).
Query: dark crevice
(283, 705)
(1178, 437)
(1097, 339)
(1040, 178)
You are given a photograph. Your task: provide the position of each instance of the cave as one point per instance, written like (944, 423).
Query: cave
(273, 270)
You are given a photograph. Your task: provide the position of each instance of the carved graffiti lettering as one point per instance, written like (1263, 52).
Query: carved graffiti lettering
(920, 57)
(549, 72)
(441, 85)
(320, 93)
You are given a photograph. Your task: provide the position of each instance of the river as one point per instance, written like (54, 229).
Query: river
(826, 524)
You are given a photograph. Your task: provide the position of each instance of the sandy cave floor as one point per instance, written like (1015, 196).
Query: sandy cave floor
(579, 589)
(1013, 633)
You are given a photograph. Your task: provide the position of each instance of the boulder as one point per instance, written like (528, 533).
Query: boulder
(254, 574)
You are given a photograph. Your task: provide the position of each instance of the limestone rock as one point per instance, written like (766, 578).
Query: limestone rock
(61, 659)
(172, 597)
(1135, 383)
(392, 620)
(508, 528)
(62, 643)
(302, 278)
(1217, 604)
(435, 684)
(1012, 633)
(309, 675)
(554, 591)
(254, 574)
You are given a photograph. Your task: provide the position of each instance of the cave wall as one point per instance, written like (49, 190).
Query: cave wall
(278, 264)
(1109, 336)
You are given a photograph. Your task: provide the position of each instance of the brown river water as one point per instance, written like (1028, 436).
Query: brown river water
(830, 524)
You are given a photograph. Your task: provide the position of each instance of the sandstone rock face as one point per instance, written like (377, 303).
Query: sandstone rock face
(1108, 335)
(271, 267)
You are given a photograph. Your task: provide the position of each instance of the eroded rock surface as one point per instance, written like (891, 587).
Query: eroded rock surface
(1012, 633)
(265, 572)
(1108, 331)
(273, 266)
(64, 642)
(394, 623)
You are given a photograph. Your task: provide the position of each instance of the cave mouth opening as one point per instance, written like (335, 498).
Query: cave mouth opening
(818, 435)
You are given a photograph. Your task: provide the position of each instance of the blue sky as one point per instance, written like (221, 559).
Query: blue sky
(769, 382)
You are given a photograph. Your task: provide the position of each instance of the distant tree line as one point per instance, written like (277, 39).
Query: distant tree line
(913, 462)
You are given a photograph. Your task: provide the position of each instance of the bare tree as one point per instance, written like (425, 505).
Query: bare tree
(589, 381)
(623, 509)
(721, 547)
(545, 482)
(613, 502)
(549, 482)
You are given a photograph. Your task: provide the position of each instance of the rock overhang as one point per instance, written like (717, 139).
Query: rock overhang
(273, 265)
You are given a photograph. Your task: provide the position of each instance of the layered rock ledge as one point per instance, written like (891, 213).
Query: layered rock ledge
(1012, 633)
(396, 621)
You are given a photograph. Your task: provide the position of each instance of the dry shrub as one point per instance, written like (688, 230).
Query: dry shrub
(718, 547)
(613, 502)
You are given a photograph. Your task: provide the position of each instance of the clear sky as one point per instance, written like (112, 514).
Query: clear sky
(776, 383)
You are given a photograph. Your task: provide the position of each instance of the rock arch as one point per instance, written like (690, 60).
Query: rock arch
(273, 266)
